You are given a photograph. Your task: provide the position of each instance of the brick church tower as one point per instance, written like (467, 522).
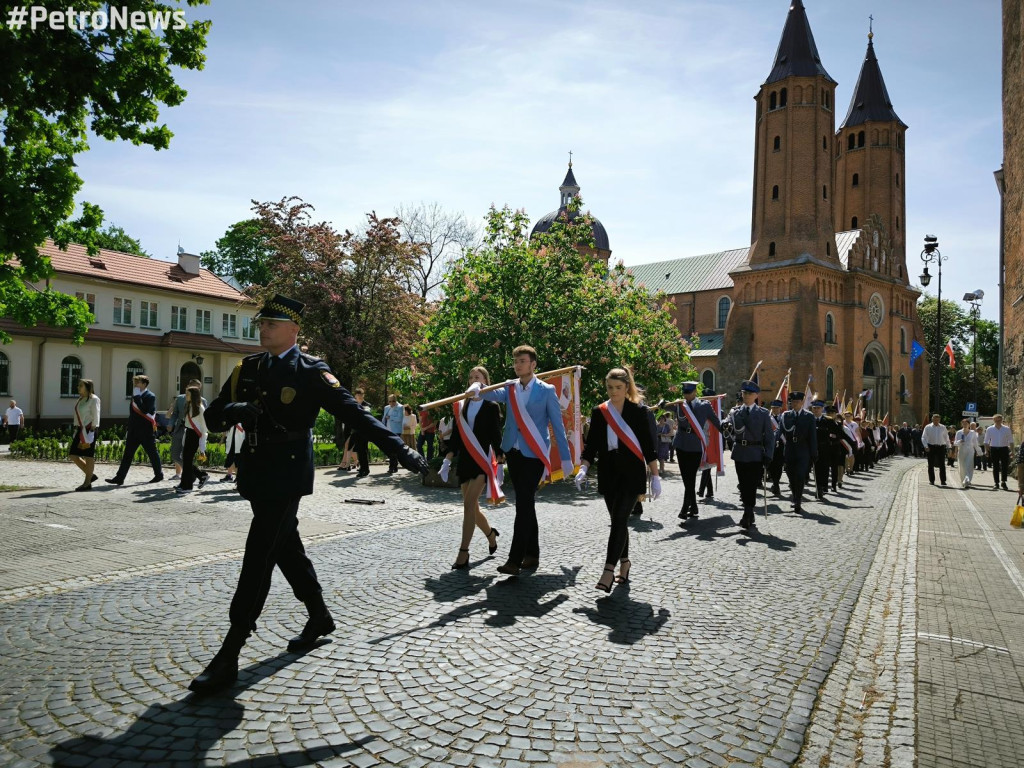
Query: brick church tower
(835, 305)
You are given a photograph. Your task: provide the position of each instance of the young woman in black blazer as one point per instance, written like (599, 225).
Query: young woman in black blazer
(623, 474)
(485, 421)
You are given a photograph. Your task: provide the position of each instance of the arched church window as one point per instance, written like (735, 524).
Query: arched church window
(860, 139)
(773, 100)
(775, 192)
(856, 179)
(853, 223)
(903, 342)
(851, 142)
(782, 97)
(885, 137)
(771, 248)
(824, 144)
(903, 389)
(724, 305)
(830, 328)
(824, 192)
(777, 143)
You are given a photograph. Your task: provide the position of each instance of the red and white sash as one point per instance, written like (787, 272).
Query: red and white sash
(151, 418)
(697, 430)
(622, 430)
(487, 462)
(83, 436)
(527, 429)
(193, 426)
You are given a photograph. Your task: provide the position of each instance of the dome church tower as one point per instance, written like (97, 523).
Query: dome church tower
(567, 191)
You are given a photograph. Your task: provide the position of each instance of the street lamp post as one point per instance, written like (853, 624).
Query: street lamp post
(928, 255)
(974, 299)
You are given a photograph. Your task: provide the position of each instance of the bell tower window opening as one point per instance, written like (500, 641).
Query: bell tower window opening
(856, 179)
(777, 144)
(775, 192)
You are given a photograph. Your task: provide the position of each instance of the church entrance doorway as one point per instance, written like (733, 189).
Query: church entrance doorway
(877, 378)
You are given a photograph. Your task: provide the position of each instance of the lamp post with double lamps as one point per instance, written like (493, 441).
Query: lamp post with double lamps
(974, 299)
(928, 255)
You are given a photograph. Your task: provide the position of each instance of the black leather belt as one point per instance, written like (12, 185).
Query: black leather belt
(748, 442)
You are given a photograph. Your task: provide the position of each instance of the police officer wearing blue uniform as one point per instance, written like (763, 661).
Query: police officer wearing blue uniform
(276, 396)
(752, 448)
(687, 443)
(799, 430)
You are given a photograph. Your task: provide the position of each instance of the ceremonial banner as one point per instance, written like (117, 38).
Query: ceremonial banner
(567, 386)
(714, 455)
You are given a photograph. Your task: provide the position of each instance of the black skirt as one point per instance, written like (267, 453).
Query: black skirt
(466, 468)
(76, 449)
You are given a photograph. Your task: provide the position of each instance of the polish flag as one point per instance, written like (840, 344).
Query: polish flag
(949, 351)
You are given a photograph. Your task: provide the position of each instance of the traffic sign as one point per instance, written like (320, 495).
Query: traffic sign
(970, 414)
(971, 407)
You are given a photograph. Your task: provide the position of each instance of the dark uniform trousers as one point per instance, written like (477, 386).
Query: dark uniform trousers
(189, 471)
(620, 504)
(273, 540)
(689, 462)
(139, 437)
(822, 467)
(748, 474)
(526, 474)
(1000, 463)
(936, 458)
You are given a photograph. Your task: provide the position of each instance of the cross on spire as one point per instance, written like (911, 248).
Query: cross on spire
(570, 158)
(871, 24)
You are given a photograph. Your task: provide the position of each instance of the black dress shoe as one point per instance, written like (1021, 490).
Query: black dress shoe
(157, 479)
(315, 628)
(530, 562)
(220, 674)
(363, 474)
(683, 514)
(114, 481)
(510, 569)
(93, 479)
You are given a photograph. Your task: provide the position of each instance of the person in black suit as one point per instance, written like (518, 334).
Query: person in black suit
(141, 426)
(483, 419)
(826, 437)
(801, 436)
(621, 442)
(276, 396)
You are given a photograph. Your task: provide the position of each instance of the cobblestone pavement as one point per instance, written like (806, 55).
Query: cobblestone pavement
(970, 695)
(713, 654)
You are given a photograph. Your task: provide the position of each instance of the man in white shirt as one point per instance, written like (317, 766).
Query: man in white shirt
(935, 439)
(998, 442)
(14, 418)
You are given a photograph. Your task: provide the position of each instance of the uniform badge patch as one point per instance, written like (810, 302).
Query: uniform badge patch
(329, 378)
(287, 395)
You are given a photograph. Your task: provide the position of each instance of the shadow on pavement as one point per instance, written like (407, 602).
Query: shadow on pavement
(180, 734)
(452, 585)
(505, 600)
(628, 620)
(640, 525)
(757, 536)
(705, 528)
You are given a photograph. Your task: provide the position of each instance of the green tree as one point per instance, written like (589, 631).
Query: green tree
(359, 315)
(55, 86)
(244, 253)
(544, 292)
(113, 238)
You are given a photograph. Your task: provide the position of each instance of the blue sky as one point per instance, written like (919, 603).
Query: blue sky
(358, 106)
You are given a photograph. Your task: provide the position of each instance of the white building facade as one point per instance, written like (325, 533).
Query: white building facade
(172, 321)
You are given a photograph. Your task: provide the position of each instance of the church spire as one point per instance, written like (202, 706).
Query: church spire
(870, 98)
(797, 54)
(569, 188)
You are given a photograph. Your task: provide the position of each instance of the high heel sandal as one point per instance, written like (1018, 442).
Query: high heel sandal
(624, 566)
(492, 548)
(600, 584)
(460, 566)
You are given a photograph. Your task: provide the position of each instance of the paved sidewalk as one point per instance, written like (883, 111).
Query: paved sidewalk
(713, 655)
(970, 695)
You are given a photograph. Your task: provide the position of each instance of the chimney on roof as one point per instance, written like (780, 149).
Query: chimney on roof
(188, 262)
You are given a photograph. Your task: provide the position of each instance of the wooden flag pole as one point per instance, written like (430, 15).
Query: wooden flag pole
(492, 387)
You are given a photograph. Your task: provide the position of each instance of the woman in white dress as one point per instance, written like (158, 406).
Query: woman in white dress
(966, 445)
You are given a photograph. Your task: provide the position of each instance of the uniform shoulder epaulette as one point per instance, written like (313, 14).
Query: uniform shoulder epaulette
(310, 358)
(251, 357)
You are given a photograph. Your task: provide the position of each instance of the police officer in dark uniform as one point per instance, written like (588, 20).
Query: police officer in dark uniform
(778, 457)
(276, 396)
(752, 448)
(688, 445)
(800, 432)
(827, 442)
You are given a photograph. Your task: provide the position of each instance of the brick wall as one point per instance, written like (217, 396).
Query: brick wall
(1013, 213)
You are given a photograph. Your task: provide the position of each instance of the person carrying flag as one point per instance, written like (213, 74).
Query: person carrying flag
(532, 408)
(691, 442)
(620, 441)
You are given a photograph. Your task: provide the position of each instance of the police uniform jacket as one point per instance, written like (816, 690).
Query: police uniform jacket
(276, 460)
(140, 426)
(753, 436)
(686, 439)
(801, 433)
(829, 445)
(620, 469)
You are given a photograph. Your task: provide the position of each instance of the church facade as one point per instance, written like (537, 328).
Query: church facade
(823, 288)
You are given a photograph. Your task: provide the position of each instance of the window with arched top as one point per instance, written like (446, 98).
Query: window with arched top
(708, 380)
(777, 143)
(133, 369)
(853, 223)
(897, 179)
(830, 328)
(5, 375)
(830, 384)
(70, 372)
(904, 394)
(874, 137)
(824, 192)
(851, 142)
(782, 97)
(771, 248)
(775, 192)
(856, 179)
(824, 144)
(860, 139)
(773, 100)
(903, 340)
(724, 305)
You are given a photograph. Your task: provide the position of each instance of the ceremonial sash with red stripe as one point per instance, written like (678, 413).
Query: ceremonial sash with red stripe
(487, 462)
(621, 429)
(527, 428)
(81, 428)
(151, 418)
(193, 426)
(698, 430)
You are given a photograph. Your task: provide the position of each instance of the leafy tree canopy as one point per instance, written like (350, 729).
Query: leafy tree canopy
(547, 293)
(111, 237)
(55, 86)
(243, 253)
